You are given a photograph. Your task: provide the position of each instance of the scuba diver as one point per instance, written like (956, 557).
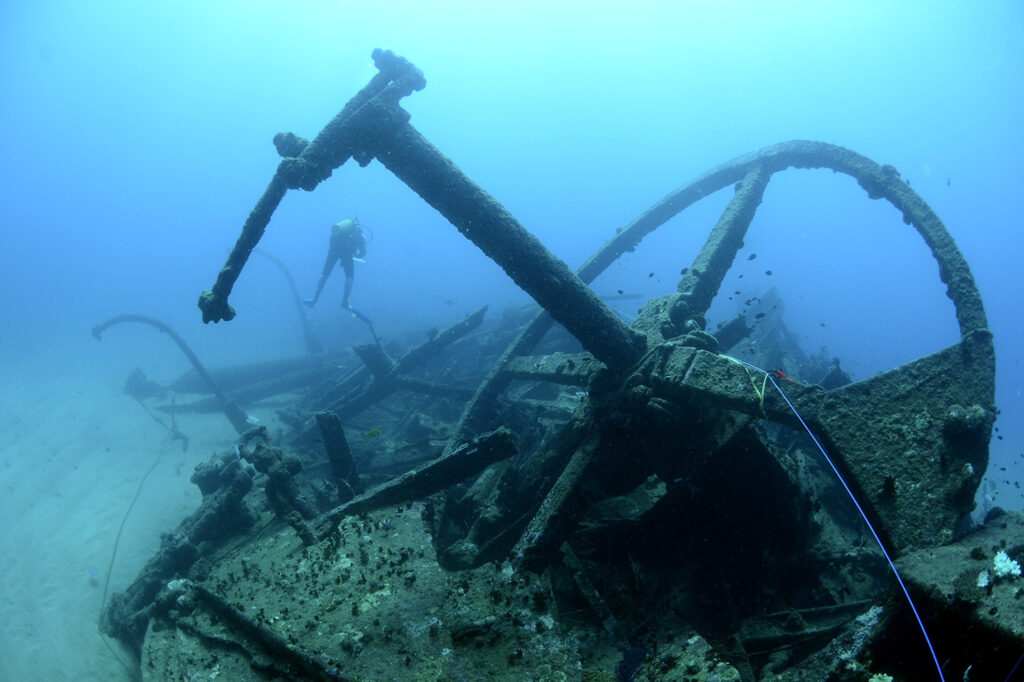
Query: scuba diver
(347, 243)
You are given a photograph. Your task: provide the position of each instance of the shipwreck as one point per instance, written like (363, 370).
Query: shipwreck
(561, 495)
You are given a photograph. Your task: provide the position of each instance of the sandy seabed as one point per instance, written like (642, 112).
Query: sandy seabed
(75, 449)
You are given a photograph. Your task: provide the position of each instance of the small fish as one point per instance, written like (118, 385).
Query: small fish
(373, 433)
(779, 374)
(752, 256)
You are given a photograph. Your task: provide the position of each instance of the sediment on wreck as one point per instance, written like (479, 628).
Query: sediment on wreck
(671, 470)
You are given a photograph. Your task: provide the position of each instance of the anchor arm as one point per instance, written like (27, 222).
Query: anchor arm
(310, 164)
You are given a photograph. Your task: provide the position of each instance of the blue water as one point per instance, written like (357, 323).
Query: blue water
(137, 137)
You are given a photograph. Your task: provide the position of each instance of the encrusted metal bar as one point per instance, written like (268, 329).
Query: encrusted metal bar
(441, 473)
(557, 368)
(702, 280)
(483, 220)
(232, 410)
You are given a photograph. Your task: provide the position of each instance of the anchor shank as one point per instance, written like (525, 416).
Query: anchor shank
(479, 217)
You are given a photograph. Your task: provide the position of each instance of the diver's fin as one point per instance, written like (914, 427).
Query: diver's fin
(367, 321)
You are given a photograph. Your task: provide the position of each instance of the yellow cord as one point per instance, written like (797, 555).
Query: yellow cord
(753, 384)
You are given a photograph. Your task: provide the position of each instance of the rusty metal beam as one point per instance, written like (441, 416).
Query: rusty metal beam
(485, 222)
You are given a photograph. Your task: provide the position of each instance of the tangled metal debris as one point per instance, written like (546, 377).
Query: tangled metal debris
(674, 491)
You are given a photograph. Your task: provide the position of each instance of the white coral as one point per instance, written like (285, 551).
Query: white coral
(1003, 566)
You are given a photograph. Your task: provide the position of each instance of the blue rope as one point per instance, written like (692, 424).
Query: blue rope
(860, 509)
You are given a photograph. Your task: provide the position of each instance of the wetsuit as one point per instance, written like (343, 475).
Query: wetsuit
(346, 243)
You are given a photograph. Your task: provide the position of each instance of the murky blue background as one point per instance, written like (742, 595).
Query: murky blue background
(137, 136)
